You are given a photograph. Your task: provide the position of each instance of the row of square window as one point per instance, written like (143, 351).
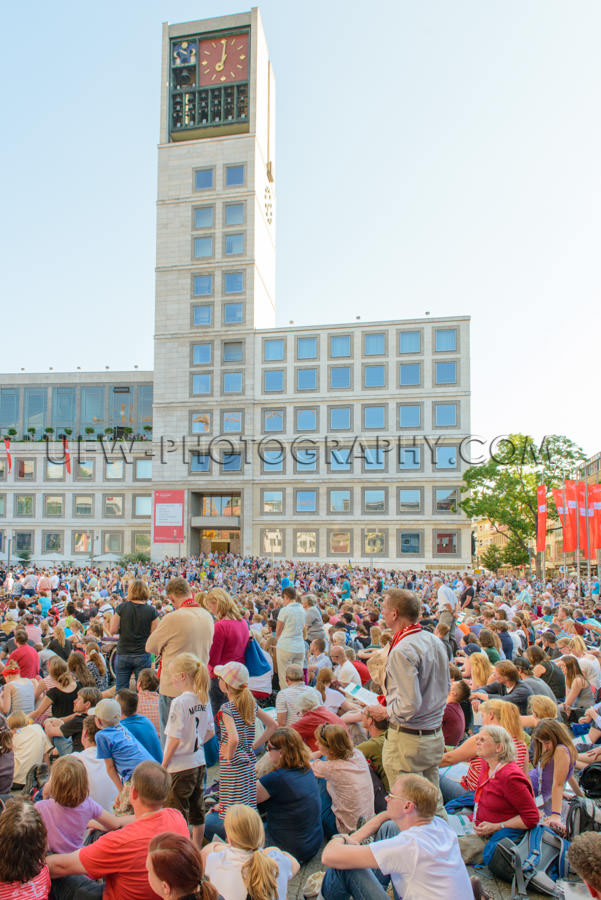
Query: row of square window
(409, 501)
(339, 377)
(273, 349)
(81, 542)
(204, 285)
(113, 505)
(84, 470)
(233, 176)
(374, 344)
(340, 418)
(204, 247)
(233, 214)
(342, 459)
(374, 542)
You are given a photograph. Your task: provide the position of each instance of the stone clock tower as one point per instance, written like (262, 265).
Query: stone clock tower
(215, 260)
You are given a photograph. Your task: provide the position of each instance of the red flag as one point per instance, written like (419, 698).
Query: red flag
(8, 454)
(594, 502)
(67, 455)
(541, 530)
(572, 513)
(569, 539)
(584, 519)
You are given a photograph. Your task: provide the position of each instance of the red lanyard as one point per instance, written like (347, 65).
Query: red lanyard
(399, 635)
(189, 602)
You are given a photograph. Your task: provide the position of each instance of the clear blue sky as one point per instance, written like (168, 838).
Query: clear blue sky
(439, 156)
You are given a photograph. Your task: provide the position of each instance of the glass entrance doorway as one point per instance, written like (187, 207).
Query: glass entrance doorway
(219, 540)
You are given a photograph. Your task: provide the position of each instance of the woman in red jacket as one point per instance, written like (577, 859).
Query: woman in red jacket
(229, 639)
(504, 799)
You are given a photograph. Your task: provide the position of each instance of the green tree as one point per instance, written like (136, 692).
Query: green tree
(492, 558)
(503, 489)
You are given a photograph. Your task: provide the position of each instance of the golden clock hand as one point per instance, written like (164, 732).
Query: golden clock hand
(219, 66)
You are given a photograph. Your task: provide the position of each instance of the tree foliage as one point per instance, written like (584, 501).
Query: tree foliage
(503, 489)
(492, 558)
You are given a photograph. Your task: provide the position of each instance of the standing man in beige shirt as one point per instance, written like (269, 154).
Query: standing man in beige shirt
(188, 629)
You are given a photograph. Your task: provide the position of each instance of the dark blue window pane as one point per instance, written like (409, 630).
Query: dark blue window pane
(306, 348)
(446, 372)
(409, 416)
(274, 380)
(234, 244)
(375, 344)
(340, 345)
(203, 315)
(203, 179)
(446, 339)
(201, 354)
(233, 283)
(410, 342)
(203, 285)
(340, 417)
(410, 374)
(340, 378)
(374, 417)
(306, 379)
(232, 313)
(274, 350)
(203, 217)
(410, 543)
(234, 176)
(234, 214)
(232, 351)
(232, 462)
(374, 376)
(200, 462)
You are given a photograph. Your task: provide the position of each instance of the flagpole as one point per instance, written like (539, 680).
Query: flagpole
(588, 539)
(563, 534)
(577, 536)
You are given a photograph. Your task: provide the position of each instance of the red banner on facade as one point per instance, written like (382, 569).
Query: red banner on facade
(585, 513)
(168, 517)
(541, 530)
(8, 454)
(569, 539)
(572, 512)
(594, 502)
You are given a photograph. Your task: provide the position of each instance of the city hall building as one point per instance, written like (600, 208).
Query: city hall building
(339, 442)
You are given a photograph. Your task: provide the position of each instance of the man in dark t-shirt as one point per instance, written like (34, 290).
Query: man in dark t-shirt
(133, 621)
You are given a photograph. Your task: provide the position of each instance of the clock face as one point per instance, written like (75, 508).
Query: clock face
(223, 60)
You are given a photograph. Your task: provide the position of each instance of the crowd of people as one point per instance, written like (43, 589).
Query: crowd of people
(202, 728)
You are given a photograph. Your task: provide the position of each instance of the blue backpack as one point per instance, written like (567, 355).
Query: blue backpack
(540, 858)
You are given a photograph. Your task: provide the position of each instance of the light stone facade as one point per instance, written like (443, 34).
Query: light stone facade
(245, 414)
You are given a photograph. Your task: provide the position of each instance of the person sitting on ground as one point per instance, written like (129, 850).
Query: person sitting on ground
(119, 857)
(287, 700)
(411, 846)
(119, 749)
(176, 869)
(539, 708)
(148, 696)
(453, 719)
(504, 798)
(544, 668)
(345, 672)
(18, 692)
(537, 685)
(141, 727)
(24, 874)
(584, 856)
(25, 655)
(344, 780)
(67, 807)
(102, 789)
(579, 695)
(553, 765)
(373, 746)
(289, 796)
(314, 714)
(31, 747)
(59, 698)
(71, 726)
(242, 868)
(332, 699)
(507, 686)
(318, 658)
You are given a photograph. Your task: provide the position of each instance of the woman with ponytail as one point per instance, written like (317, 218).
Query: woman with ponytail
(237, 769)
(242, 869)
(190, 724)
(176, 869)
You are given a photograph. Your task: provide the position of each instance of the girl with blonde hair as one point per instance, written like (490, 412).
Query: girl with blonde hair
(189, 726)
(237, 743)
(481, 669)
(243, 868)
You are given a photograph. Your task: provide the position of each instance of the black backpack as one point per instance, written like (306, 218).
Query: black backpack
(584, 814)
(590, 780)
(540, 858)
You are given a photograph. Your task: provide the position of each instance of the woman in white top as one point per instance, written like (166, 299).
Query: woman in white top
(241, 867)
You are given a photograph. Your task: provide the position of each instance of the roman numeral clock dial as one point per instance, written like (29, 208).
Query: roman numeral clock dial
(223, 60)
